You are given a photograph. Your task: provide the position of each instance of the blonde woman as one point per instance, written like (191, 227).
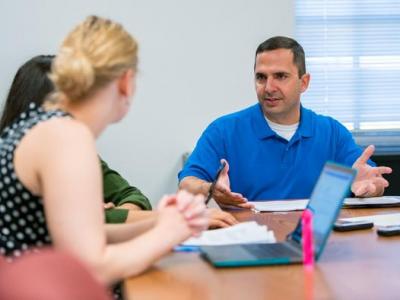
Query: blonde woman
(50, 183)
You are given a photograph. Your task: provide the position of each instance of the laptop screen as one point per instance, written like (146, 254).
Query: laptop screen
(325, 202)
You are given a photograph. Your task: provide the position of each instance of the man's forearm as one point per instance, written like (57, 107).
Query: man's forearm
(195, 185)
(117, 233)
(139, 215)
(130, 206)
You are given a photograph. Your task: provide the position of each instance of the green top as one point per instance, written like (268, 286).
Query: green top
(117, 190)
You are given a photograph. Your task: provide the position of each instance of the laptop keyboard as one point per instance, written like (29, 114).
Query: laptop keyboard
(270, 250)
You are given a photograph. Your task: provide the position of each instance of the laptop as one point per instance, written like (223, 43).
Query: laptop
(326, 200)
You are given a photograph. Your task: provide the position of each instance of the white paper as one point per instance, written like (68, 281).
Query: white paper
(292, 205)
(373, 200)
(285, 205)
(242, 233)
(378, 220)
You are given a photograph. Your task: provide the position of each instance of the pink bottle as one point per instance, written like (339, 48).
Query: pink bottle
(307, 238)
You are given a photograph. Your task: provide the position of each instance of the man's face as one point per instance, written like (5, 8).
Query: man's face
(278, 86)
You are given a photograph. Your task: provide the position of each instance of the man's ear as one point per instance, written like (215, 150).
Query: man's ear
(126, 83)
(305, 81)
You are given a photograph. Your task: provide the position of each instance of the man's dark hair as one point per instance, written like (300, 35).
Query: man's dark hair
(283, 42)
(30, 84)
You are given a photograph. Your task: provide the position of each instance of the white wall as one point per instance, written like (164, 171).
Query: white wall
(196, 60)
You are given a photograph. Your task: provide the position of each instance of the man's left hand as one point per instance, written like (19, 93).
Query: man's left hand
(369, 181)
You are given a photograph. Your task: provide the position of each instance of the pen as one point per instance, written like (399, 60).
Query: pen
(210, 191)
(186, 248)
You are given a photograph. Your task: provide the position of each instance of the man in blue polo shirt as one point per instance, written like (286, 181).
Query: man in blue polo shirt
(276, 148)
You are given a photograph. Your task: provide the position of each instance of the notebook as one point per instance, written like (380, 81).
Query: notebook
(325, 203)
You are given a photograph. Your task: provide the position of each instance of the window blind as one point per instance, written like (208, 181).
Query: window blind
(353, 55)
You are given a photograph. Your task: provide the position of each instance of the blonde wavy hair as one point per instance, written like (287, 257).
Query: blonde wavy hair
(96, 52)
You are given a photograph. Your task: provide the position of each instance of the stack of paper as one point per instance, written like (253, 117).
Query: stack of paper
(242, 233)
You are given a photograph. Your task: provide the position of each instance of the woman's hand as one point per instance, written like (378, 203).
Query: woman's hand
(191, 207)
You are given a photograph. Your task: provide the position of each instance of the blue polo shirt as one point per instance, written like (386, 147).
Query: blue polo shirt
(265, 166)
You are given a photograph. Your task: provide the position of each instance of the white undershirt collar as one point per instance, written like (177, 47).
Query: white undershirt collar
(285, 131)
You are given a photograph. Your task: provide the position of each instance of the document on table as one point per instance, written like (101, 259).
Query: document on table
(242, 233)
(372, 202)
(378, 220)
(291, 205)
(285, 205)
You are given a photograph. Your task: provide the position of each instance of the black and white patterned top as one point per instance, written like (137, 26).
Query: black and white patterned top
(22, 219)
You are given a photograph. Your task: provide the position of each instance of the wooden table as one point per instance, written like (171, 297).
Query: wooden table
(354, 265)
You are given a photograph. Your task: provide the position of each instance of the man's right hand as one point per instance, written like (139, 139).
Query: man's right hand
(222, 191)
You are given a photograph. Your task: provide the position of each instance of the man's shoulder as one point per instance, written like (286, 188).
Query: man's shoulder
(321, 118)
(324, 124)
(238, 116)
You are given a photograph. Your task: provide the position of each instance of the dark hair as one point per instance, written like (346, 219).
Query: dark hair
(30, 84)
(283, 42)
